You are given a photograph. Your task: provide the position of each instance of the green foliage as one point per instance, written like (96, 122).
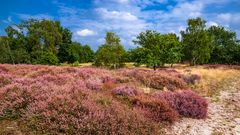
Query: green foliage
(157, 49)
(136, 55)
(5, 51)
(76, 63)
(33, 41)
(111, 54)
(46, 58)
(82, 54)
(226, 49)
(197, 43)
(29, 41)
(21, 56)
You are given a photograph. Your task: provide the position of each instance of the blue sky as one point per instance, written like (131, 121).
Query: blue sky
(89, 20)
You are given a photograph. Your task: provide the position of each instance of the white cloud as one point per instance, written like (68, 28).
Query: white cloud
(117, 15)
(85, 32)
(129, 17)
(187, 9)
(211, 23)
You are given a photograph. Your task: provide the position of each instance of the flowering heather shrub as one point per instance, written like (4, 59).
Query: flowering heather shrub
(14, 100)
(187, 103)
(109, 85)
(157, 110)
(158, 80)
(94, 83)
(125, 91)
(107, 78)
(3, 69)
(61, 100)
(5, 79)
(51, 100)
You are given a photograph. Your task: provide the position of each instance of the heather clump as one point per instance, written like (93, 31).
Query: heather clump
(50, 101)
(94, 83)
(125, 91)
(186, 103)
(70, 100)
(157, 110)
(5, 79)
(159, 79)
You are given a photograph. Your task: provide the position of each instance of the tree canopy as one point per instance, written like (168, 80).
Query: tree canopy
(111, 54)
(48, 42)
(158, 48)
(197, 43)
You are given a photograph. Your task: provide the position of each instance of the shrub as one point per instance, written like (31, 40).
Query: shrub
(157, 110)
(125, 91)
(47, 58)
(158, 79)
(14, 101)
(187, 103)
(5, 79)
(75, 64)
(94, 83)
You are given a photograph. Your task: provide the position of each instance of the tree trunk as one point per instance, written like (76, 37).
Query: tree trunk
(154, 67)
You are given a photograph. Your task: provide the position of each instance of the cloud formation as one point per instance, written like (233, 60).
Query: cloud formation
(85, 33)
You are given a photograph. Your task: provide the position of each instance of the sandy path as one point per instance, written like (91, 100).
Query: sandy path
(223, 115)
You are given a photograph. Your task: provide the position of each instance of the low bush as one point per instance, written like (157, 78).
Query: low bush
(159, 79)
(125, 91)
(157, 110)
(186, 103)
(94, 83)
(46, 58)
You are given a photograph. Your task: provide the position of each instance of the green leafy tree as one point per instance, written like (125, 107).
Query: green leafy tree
(27, 39)
(157, 49)
(136, 55)
(225, 44)
(150, 41)
(6, 53)
(46, 58)
(112, 53)
(64, 47)
(87, 54)
(197, 43)
(172, 49)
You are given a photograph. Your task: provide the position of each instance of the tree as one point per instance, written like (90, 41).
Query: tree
(6, 54)
(197, 43)
(33, 37)
(157, 48)
(63, 51)
(225, 46)
(112, 53)
(87, 54)
(42, 34)
(150, 41)
(46, 58)
(136, 55)
(173, 48)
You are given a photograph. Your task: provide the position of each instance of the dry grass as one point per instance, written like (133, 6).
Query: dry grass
(212, 80)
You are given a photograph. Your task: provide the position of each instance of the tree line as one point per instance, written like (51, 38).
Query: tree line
(47, 42)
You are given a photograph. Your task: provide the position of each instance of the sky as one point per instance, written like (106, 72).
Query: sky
(89, 20)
